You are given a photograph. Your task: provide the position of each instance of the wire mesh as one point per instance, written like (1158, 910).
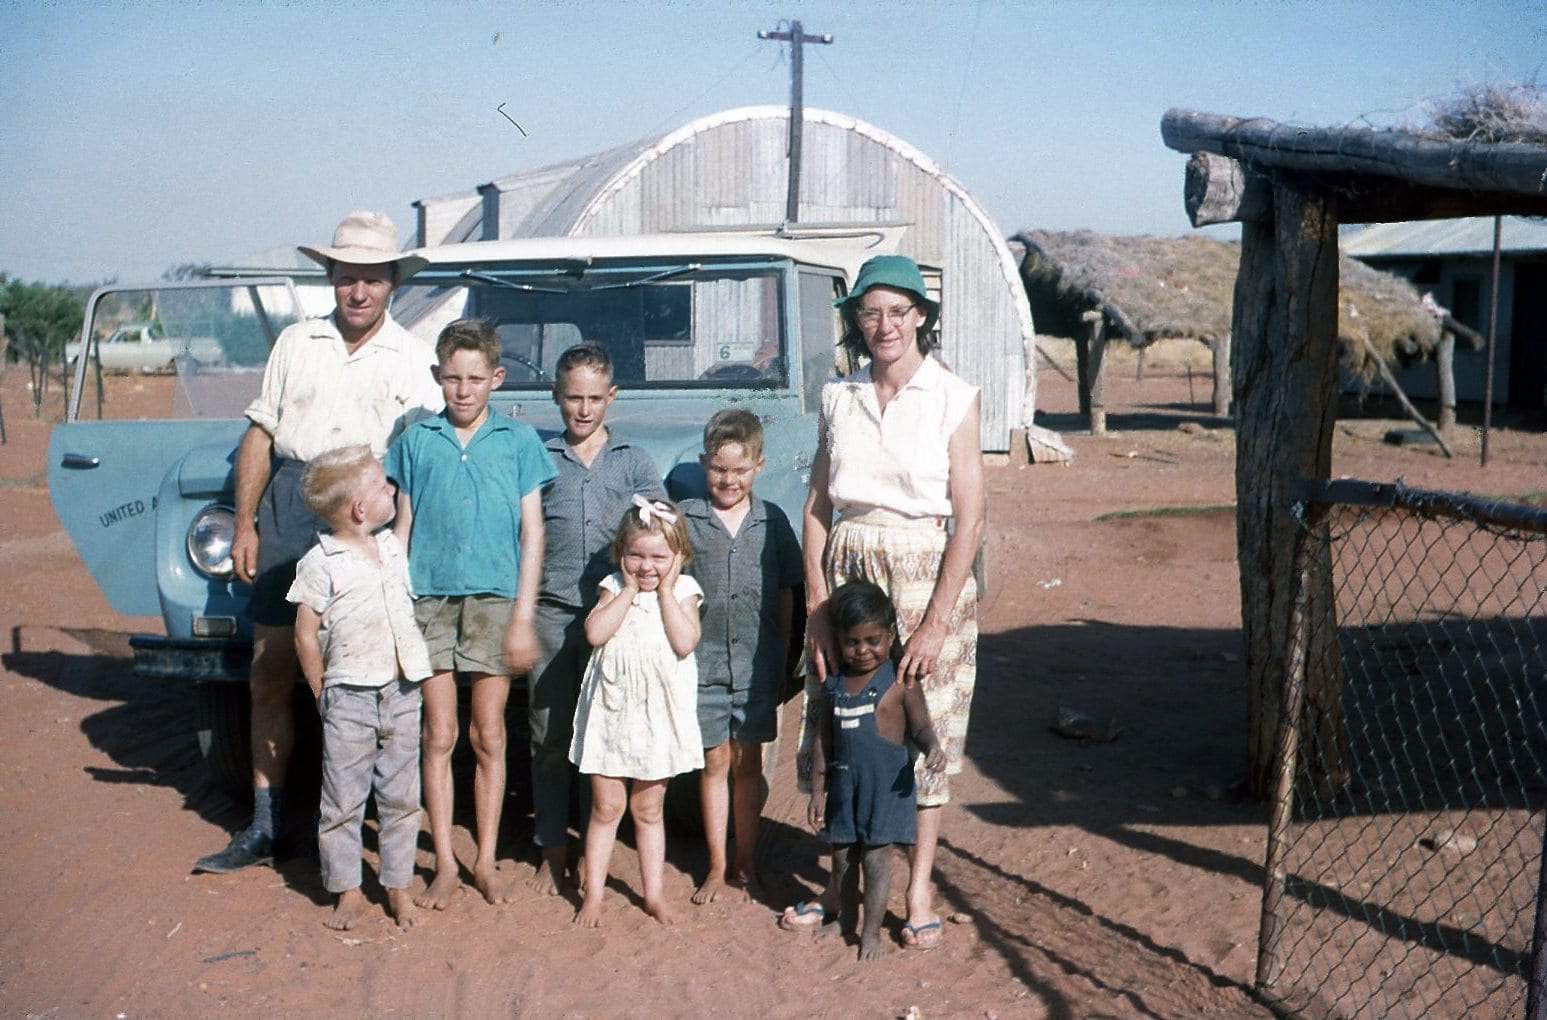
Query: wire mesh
(1408, 859)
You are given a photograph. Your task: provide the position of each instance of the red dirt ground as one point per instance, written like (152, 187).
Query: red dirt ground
(1082, 879)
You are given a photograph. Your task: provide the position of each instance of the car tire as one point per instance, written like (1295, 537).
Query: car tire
(223, 720)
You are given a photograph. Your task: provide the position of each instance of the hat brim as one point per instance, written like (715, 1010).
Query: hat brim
(407, 264)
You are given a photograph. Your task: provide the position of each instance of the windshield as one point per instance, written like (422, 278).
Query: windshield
(681, 325)
(191, 350)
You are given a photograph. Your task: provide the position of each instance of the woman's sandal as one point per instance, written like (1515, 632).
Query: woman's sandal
(795, 918)
(926, 936)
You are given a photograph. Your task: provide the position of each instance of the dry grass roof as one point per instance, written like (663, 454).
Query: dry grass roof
(1494, 113)
(1158, 288)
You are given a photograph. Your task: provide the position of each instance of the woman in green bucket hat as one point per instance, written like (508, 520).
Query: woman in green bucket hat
(897, 498)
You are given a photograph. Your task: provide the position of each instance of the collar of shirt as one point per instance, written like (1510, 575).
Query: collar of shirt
(493, 423)
(332, 545)
(757, 513)
(388, 337)
(556, 444)
(925, 378)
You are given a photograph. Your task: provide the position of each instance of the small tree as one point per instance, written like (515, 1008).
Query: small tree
(41, 319)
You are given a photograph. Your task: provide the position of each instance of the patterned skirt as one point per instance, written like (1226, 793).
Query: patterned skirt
(902, 556)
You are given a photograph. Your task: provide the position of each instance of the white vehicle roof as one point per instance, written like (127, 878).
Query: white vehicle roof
(841, 253)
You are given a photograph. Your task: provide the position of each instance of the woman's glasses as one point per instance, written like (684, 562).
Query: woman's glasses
(873, 316)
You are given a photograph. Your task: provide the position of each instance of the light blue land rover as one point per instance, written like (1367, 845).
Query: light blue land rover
(694, 322)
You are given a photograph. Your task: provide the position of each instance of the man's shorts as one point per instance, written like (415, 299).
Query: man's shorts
(465, 632)
(748, 717)
(286, 529)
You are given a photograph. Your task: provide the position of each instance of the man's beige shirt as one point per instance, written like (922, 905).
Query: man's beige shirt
(317, 396)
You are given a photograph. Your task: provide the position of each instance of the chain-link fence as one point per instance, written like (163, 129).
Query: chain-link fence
(1406, 849)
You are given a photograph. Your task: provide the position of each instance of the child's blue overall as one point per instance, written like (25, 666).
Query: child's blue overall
(870, 796)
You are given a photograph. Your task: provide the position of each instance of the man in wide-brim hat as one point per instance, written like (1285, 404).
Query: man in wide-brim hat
(352, 377)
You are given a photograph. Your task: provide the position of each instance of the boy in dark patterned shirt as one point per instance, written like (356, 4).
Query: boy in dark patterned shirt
(747, 560)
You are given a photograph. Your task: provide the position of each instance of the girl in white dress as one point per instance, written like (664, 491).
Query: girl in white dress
(637, 718)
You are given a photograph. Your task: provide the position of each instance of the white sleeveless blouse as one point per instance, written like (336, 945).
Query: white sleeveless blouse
(900, 460)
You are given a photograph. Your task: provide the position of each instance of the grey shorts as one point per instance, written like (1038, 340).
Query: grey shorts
(286, 529)
(465, 632)
(748, 717)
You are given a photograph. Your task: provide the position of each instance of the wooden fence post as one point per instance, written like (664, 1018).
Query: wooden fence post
(1284, 370)
(1444, 368)
(1219, 347)
(1092, 384)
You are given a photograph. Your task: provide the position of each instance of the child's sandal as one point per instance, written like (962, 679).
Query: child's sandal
(794, 918)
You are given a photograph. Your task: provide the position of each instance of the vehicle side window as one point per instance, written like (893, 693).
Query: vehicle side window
(819, 331)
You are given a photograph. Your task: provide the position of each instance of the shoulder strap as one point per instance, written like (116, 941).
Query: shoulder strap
(885, 676)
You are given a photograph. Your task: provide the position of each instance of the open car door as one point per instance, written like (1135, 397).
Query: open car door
(106, 462)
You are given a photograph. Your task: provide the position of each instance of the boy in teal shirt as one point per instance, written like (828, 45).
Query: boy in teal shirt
(469, 509)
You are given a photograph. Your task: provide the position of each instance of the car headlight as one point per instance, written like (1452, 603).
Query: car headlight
(209, 541)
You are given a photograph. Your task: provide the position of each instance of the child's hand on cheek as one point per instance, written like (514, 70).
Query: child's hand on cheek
(630, 579)
(669, 580)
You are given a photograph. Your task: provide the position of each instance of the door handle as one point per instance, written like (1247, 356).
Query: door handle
(78, 461)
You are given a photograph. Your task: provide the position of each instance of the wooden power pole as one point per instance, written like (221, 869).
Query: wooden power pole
(797, 40)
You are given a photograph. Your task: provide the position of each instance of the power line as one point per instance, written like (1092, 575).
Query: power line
(972, 45)
(676, 115)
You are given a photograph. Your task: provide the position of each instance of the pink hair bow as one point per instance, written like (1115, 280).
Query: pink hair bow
(649, 508)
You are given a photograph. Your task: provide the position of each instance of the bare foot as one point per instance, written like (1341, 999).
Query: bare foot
(830, 930)
(713, 886)
(437, 895)
(590, 913)
(401, 906)
(662, 911)
(496, 888)
(346, 913)
(870, 946)
(548, 876)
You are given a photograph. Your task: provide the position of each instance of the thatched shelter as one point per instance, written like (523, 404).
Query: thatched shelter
(1091, 287)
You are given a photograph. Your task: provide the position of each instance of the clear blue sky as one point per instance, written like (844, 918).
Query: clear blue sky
(137, 136)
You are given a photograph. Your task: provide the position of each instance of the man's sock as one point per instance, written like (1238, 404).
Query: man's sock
(268, 805)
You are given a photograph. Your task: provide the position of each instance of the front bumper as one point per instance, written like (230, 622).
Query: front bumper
(164, 658)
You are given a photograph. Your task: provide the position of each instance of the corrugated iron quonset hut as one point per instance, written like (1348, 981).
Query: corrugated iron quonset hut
(727, 172)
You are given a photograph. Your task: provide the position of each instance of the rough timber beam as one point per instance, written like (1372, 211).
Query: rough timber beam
(1440, 163)
(1218, 189)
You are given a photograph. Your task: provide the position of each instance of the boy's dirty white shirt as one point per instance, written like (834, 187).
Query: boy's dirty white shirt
(367, 611)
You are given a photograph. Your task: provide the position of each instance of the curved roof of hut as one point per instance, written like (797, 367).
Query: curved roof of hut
(1157, 288)
(725, 173)
(563, 198)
